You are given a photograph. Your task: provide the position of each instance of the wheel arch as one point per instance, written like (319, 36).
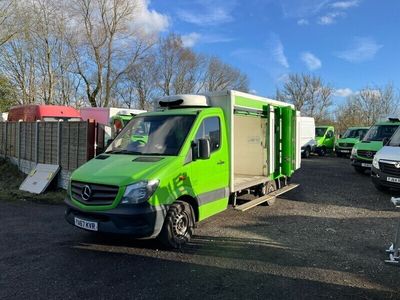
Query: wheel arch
(193, 203)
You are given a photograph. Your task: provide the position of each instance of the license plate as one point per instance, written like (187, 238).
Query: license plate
(366, 165)
(345, 151)
(86, 224)
(393, 179)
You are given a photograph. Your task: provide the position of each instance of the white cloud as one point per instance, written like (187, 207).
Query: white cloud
(362, 49)
(189, 40)
(345, 4)
(302, 22)
(346, 92)
(330, 18)
(312, 62)
(148, 20)
(278, 52)
(302, 8)
(208, 13)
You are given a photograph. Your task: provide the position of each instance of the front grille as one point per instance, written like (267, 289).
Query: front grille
(97, 194)
(346, 145)
(366, 154)
(389, 168)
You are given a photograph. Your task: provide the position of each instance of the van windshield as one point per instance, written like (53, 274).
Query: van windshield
(395, 140)
(354, 133)
(380, 132)
(320, 131)
(153, 135)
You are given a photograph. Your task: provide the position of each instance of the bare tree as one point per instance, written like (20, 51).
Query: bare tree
(104, 44)
(221, 76)
(368, 106)
(309, 94)
(8, 28)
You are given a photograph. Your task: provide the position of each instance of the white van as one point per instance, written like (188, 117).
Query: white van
(385, 170)
(307, 136)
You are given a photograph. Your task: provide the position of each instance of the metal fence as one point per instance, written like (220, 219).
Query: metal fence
(68, 144)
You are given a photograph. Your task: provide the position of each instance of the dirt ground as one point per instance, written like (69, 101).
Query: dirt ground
(326, 239)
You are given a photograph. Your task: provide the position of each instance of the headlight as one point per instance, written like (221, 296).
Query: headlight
(375, 163)
(353, 151)
(139, 192)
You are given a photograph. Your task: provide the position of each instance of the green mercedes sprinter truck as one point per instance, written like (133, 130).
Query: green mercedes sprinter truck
(199, 151)
(346, 142)
(325, 138)
(379, 134)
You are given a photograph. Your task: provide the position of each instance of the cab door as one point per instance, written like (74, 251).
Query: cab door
(210, 177)
(329, 139)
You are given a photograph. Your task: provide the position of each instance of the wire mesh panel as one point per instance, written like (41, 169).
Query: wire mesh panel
(11, 145)
(2, 138)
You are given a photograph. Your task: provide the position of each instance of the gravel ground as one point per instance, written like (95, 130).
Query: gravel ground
(326, 239)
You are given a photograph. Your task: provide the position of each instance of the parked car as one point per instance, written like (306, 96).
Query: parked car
(307, 136)
(32, 113)
(325, 137)
(346, 142)
(363, 152)
(200, 151)
(385, 172)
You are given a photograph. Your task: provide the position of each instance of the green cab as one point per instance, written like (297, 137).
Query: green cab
(346, 142)
(363, 152)
(325, 139)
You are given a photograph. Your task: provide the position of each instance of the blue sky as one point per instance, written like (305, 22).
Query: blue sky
(349, 43)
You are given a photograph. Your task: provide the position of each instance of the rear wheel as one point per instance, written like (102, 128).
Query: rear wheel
(178, 226)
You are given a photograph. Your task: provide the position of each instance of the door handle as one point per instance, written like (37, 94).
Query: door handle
(221, 162)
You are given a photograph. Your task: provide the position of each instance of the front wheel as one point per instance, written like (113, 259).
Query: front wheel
(307, 152)
(380, 187)
(322, 151)
(360, 170)
(178, 226)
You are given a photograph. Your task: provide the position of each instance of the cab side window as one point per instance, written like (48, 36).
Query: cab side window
(210, 129)
(329, 134)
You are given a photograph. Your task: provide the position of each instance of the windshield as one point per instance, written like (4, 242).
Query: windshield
(395, 140)
(354, 133)
(153, 135)
(380, 132)
(320, 131)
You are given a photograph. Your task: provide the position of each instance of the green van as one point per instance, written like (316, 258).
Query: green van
(346, 142)
(199, 152)
(325, 138)
(377, 136)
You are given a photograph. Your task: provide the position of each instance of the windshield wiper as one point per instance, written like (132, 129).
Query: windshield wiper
(124, 152)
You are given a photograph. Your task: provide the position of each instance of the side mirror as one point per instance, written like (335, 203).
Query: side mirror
(109, 142)
(203, 148)
(385, 141)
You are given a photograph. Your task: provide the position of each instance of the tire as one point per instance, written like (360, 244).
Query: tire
(307, 152)
(266, 188)
(178, 226)
(380, 187)
(322, 151)
(360, 170)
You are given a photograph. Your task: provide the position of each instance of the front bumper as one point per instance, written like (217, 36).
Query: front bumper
(140, 221)
(361, 163)
(344, 151)
(380, 178)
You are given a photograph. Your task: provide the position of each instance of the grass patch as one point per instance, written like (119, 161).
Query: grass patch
(10, 180)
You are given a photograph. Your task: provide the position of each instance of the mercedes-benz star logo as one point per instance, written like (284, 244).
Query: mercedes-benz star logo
(397, 165)
(86, 193)
(369, 154)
